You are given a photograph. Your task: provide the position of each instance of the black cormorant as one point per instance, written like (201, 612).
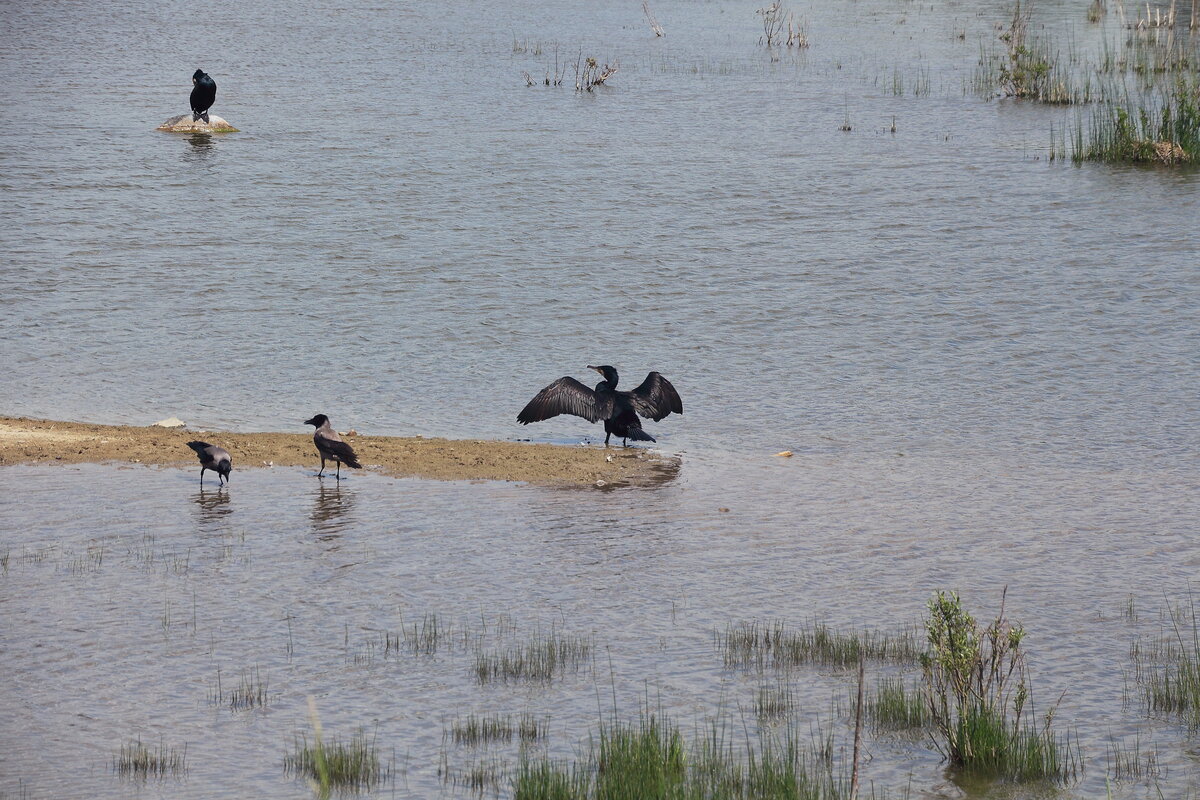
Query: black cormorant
(212, 457)
(331, 446)
(655, 398)
(204, 92)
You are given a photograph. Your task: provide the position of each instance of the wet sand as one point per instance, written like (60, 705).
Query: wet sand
(39, 441)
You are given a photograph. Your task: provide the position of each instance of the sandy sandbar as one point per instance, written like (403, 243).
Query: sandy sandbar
(40, 441)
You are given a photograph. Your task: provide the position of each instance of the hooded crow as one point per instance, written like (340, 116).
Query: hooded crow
(331, 446)
(212, 457)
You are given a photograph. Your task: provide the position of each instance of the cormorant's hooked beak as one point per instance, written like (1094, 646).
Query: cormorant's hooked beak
(589, 366)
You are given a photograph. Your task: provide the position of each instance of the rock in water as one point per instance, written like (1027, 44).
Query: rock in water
(172, 422)
(185, 124)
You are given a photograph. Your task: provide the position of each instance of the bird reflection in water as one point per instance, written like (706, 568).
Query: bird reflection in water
(331, 511)
(201, 146)
(213, 505)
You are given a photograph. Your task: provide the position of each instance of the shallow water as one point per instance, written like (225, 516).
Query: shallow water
(985, 364)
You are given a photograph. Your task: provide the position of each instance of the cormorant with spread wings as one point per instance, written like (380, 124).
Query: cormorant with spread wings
(654, 398)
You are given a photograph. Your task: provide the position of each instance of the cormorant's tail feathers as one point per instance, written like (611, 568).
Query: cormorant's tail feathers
(639, 435)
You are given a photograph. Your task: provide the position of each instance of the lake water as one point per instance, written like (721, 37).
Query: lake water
(985, 363)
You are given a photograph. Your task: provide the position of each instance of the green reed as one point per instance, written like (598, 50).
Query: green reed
(251, 691)
(539, 660)
(135, 760)
(497, 728)
(894, 706)
(650, 758)
(352, 764)
(1170, 682)
(774, 702)
(776, 644)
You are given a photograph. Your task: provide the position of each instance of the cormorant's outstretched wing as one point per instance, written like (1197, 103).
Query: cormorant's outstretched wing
(566, 396)
(656, 398)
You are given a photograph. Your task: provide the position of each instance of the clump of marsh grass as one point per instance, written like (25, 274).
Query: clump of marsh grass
(332, 763)
(135, 760)
(420, 638)
(650, 758)
(894, 706)
(774, 702)
(251, 691)
(352, 764)
(1162, 130)
(479, 776)
(539, 660)
(1129, 762)
(977, 689)
(497, 728)
(775, 644)
(1170, 683)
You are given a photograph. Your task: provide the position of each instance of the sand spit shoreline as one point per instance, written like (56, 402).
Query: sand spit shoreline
(41, 441)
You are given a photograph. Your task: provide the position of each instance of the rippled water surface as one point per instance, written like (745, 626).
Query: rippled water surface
(986, 365)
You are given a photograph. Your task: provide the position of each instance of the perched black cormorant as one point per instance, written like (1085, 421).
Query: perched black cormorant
(212, 457)
(331, 446)
(204, 92)
(655, 398)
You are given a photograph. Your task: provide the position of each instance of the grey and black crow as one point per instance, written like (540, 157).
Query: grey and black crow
(212, 457)
(331, 446)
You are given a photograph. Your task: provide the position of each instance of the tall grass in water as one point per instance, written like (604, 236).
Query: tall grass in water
(539, 660)
(497, 728)
(330, 763)
(650, 759)
(135, 760)
(1163, 130)
(1171, 687)
(250, 692)
(893, 706)
(977, 690)
(774, 643)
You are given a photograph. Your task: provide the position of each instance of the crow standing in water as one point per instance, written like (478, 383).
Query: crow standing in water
(331, 446)
(204, 92)
(655, 398)
(212, 457)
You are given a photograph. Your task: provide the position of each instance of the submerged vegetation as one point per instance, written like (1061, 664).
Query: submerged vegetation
(651, 758)
(541, 659)
(895, 706)
(1167, 670)
(331, 763)
(776, 644)
(497, 728)
(135, 760)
